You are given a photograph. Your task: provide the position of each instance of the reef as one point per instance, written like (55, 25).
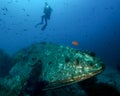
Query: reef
(42, 67)
(94, 88)
(5, 63)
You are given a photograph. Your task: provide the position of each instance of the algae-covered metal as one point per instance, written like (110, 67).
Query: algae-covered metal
(69, 66)
(57, 65)
(50, 66)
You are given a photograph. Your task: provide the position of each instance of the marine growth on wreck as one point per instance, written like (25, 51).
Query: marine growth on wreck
(52, 65)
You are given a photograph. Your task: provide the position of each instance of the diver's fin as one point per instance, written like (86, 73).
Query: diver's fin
(38, 24)
(43, 28)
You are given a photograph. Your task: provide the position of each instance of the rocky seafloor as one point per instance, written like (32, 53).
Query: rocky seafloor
(46, 69)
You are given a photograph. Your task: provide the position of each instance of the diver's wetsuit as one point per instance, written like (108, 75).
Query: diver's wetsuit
(46, 16)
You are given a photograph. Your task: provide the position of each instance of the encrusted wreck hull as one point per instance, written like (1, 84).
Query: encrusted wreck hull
(49, 66)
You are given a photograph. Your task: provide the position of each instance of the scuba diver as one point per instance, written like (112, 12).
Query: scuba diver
(47, 13)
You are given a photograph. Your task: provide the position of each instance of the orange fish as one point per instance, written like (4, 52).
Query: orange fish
(75, 43)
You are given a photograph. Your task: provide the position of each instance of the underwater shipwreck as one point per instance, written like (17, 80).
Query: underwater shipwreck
(46, 66)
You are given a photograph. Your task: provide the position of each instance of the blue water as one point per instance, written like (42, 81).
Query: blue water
(95, 24)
